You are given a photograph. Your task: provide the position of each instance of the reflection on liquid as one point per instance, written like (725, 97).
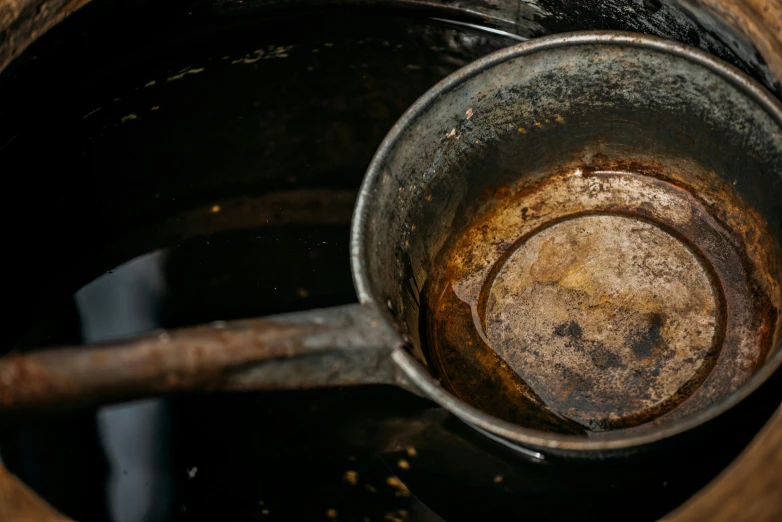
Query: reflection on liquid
(137, 442)
(123, 302)
(224, 275)
(136, 437)
(227, 275)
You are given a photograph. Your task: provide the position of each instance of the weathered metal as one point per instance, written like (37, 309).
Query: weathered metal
(620, 299)
(335, 347)
(557, 129)
(613, 134)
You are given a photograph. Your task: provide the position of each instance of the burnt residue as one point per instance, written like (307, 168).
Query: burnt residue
(644, 381)
(649, 340)
(652, 6)
(571, 328)
(601, 357)
(697, 23)
(605, 359)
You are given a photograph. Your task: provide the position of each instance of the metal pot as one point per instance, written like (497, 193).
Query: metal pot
(638, 134)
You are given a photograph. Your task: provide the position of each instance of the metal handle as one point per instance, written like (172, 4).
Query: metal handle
(340, 346)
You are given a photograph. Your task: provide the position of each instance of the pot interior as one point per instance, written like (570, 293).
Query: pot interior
(584, 233)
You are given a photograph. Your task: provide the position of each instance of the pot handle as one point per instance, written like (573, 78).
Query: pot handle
(341, 346)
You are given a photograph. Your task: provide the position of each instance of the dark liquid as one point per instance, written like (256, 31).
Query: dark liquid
(117, 233)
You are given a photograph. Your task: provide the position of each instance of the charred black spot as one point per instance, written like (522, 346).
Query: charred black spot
(575, 382)
(572, 329)
(605, 359)
(650, 340)
(653, 5)
(693, 37)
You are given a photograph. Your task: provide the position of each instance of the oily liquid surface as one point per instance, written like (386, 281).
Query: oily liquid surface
(466, 364)
(587, 318)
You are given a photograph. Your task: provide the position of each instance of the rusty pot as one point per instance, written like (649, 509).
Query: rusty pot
(571, 244)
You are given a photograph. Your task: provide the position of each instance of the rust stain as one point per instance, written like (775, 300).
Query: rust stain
(611, 294)
(157, 363)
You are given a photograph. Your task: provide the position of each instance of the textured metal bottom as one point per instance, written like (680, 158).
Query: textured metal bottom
(608, 297)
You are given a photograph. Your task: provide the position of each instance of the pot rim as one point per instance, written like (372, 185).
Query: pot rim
(414, 371)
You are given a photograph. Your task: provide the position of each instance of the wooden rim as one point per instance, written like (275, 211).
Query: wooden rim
(747, 490)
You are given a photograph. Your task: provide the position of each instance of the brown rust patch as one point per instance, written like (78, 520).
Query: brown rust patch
(611, 294)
